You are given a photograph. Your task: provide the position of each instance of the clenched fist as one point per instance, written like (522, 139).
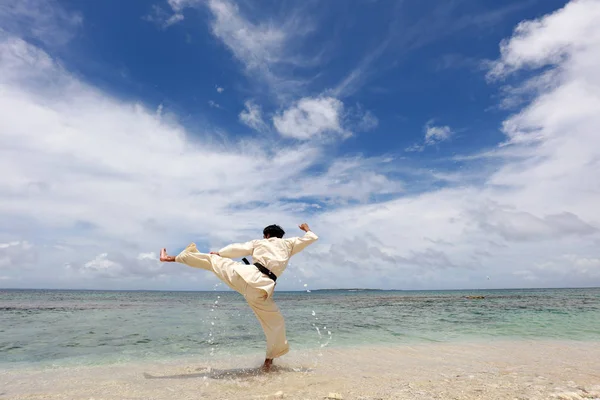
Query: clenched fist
(304, 227)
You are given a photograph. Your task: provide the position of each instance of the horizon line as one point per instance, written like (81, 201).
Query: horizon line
(305, 291)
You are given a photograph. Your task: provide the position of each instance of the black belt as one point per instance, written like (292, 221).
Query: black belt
(262, 269)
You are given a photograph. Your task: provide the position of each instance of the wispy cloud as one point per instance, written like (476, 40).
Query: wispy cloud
(436, 134)
(404, 35)
(266, 47)
(433, 135)
(163, 18)
(253, 117)
(213, 104)
(43, 20)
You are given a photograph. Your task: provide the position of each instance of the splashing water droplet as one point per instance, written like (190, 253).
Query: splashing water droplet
(313, 313)
(305, 285)
(212, 323)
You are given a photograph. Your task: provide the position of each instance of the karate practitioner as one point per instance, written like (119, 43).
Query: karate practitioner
(256, 281)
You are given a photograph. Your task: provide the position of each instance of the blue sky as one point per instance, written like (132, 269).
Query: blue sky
(431, 142)
(424, 65)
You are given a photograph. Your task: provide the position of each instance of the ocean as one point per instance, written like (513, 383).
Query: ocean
(74, 327)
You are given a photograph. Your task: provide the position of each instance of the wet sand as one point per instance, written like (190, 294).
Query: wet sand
(494, 370)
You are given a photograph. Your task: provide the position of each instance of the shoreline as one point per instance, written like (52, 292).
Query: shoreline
(221, 355)
(524, 369)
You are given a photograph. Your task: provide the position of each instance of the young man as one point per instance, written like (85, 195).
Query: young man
(256, 282)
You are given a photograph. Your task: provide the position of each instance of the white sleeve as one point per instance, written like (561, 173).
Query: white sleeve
(299, 243)
(236, 250)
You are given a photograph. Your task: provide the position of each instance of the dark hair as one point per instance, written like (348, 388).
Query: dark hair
(274, 231)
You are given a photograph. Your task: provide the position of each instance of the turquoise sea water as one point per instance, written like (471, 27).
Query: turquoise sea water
(55, 327)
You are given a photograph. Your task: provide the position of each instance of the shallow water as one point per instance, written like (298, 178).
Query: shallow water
(57, 327)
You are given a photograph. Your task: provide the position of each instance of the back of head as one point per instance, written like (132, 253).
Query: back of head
(273, 231)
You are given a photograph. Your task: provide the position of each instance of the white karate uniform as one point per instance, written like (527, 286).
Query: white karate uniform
(256, 287)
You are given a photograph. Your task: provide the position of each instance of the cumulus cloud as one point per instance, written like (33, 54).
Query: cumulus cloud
(538, 43)
(311, 117)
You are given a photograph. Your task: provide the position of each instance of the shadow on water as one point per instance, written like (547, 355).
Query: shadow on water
(229, 373)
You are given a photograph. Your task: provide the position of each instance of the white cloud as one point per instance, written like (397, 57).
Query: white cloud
(539, 203)
(349, 181)
(252, 116)
(415, 147)
(267, 47)
(179, 5)
(436, 134)
(164, 19)
(367, 122)
(311, 117)
(550, 39)
(433, 135)
(256, 46)
(103, 183)
(17, 254)
(220, 89)
(92, 175)
(101, 264)
(213, 104)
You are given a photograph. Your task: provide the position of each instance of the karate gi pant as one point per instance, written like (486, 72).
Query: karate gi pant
(264, 307)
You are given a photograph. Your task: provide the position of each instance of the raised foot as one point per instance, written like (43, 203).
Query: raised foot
(164, 257)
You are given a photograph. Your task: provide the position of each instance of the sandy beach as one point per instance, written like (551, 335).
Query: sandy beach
(495, 370)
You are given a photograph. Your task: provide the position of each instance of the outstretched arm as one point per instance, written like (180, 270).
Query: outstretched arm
(300, 243)
(236, 250)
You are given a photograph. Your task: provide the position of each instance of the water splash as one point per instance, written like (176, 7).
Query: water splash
(212, 332)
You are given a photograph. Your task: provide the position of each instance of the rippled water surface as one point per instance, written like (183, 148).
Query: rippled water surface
(95, 327)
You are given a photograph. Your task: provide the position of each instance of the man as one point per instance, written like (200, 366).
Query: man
(256, 282)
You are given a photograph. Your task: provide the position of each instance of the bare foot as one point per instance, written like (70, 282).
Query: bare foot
(164, 257)
(266, 367)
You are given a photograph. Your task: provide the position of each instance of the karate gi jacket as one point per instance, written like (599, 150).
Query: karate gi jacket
(273, 253)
